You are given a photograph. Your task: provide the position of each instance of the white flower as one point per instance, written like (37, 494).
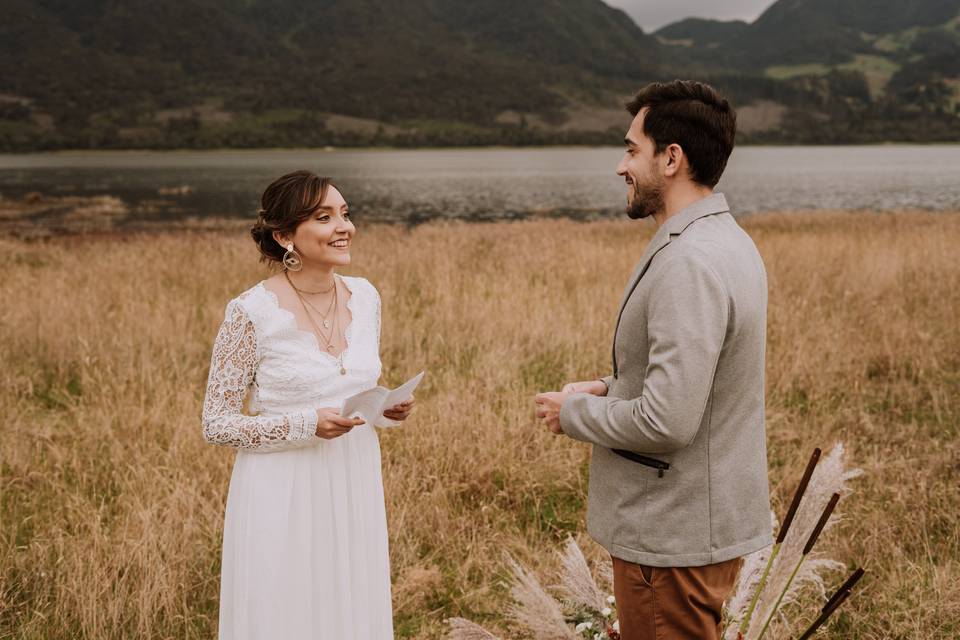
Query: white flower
(616, 626)
(611, 600)
(597, 636)
(583, 626)
(606, 612)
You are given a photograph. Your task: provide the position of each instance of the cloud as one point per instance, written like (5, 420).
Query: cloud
(653, 14)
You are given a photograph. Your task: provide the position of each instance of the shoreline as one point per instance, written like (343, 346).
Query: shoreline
(378, 149)
(36, 214)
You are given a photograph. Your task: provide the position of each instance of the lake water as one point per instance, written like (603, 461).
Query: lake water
(483, 184)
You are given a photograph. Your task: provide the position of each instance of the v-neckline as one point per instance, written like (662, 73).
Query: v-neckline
(292, 317)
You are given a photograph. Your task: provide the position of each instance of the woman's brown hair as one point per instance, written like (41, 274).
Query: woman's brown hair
(288, 201)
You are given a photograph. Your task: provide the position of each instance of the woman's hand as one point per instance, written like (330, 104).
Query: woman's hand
(593, 387)
(330, 424)
(400, 411)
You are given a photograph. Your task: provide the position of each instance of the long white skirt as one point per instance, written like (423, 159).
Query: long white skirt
(305, 544)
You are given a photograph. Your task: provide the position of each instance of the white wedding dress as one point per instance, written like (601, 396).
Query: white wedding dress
(305, 532)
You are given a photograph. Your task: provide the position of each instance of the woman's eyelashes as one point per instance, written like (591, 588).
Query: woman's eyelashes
(326, 218)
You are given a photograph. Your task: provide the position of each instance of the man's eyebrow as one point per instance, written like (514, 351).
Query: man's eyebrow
(630, 143)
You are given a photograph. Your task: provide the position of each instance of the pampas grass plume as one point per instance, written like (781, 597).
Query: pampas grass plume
(830, 477)
(577, 585)
(534, 608)
(747, 582)
(463, 629)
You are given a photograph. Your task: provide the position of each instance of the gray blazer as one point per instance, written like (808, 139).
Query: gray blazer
(685, 401)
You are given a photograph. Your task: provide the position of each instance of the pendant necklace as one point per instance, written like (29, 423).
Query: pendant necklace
(333, 329)
(324, 317)
(337, 329)
(333, 299)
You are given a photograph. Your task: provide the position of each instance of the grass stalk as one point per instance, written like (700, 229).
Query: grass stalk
(811, 541)
(112, 511)
(776, 605)
(781, 535)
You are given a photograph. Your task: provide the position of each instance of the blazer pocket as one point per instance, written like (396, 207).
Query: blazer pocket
(627, 510)
(646, 461)
(676, 510)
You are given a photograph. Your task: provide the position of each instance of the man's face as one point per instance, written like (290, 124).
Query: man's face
(641, 170)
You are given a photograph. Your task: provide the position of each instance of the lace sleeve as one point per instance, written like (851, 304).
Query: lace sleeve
(232, 367)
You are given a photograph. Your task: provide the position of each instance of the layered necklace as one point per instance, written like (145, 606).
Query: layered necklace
(329, 327)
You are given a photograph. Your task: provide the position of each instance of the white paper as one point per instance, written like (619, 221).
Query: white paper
(371, 404)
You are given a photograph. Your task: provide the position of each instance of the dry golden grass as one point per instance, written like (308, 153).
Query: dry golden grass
(111, 504)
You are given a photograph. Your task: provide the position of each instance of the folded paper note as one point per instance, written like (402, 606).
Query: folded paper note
(371, 404)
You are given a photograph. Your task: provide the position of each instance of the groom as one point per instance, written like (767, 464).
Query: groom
(678, 476)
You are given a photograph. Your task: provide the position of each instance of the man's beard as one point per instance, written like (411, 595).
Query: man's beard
(647, 200)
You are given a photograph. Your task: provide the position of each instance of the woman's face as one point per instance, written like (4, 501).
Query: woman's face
(325, 237)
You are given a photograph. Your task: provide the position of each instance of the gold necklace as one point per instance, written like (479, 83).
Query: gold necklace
(333, 300)
(324, 315)
(316, 328)
(312, 293)
(327, 339)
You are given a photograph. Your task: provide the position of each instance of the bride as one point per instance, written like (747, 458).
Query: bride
(305, 532)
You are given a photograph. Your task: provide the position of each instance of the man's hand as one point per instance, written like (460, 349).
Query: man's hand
(593, 387)
(548, 409)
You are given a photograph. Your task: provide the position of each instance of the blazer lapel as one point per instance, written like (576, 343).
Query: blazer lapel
(659, 241)
(710, 205)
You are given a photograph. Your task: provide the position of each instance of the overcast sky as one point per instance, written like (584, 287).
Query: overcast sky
(653, 14)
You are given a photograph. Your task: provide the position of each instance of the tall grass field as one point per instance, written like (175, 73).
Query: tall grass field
(111, 503)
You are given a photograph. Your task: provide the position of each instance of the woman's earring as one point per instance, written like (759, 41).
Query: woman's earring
(291, 259)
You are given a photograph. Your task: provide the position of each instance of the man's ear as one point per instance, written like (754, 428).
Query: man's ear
(674, 154)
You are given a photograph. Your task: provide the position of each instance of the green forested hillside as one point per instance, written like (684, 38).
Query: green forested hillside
(836, 70)
(242, 73)
(831, 31)
(701, 31)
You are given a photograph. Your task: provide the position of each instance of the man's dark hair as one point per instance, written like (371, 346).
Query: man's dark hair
(693, 115)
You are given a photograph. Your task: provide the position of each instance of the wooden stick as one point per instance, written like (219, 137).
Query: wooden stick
(798, 495)
(819, 622)
(821, 523)
(839, 597)
(846, 586)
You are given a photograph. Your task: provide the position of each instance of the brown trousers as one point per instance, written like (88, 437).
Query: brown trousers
(668, 603)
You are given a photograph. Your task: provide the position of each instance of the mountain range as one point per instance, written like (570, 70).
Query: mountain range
(250, 73)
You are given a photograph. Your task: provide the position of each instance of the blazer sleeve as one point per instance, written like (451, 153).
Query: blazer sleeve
(608, 381)
(687, 317)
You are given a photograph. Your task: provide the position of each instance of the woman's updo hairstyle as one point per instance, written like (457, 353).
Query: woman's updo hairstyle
(288, 201)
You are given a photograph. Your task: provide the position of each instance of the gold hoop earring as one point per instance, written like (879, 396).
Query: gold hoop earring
(291, 259)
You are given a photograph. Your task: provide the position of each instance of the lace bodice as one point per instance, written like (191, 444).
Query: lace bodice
(260, 353)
